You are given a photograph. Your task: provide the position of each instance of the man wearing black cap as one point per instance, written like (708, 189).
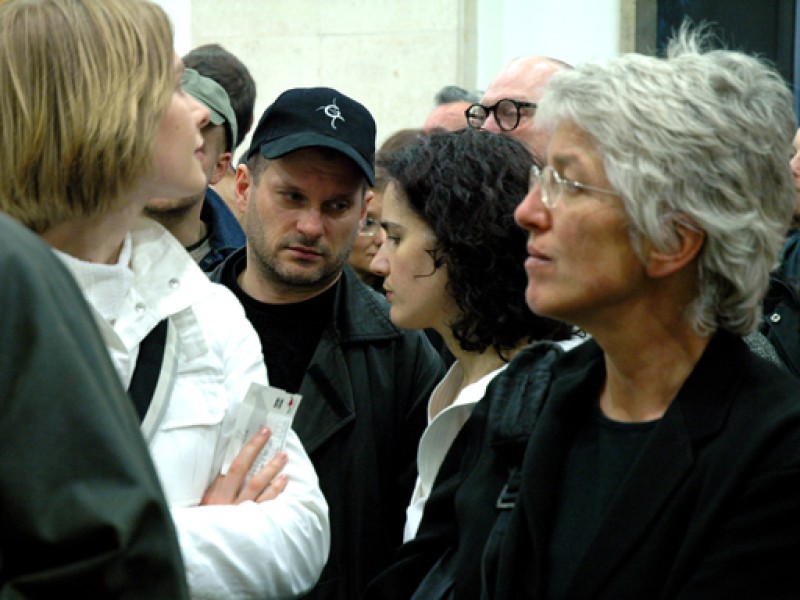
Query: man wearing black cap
(326, 335)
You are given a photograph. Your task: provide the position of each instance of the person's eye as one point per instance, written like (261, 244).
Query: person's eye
(338, 207)
(508, 113)
(570, 186)
(291, 197)
(564, 185)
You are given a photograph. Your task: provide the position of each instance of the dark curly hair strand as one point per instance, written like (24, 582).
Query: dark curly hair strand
(465, 185)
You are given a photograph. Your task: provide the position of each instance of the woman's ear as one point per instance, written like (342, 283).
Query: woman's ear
(690, 240)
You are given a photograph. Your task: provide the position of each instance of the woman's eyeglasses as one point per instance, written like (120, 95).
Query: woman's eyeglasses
(553, 185)
(370, 228)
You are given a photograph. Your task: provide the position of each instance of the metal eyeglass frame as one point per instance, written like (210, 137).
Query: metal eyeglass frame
(370, 228)
(553, 185)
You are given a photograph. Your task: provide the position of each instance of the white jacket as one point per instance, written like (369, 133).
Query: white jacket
(275, 549)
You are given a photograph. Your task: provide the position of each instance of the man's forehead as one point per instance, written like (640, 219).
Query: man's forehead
(511, 90)
(522, 79)
(317, 162)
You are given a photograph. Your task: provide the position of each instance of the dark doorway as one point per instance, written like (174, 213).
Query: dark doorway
(763, 27)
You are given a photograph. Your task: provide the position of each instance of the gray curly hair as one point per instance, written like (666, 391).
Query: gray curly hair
(701, 137)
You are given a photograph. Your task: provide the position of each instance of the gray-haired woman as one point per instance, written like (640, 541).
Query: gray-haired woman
(666, 460)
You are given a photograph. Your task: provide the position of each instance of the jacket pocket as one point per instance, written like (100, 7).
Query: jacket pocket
(185, 446)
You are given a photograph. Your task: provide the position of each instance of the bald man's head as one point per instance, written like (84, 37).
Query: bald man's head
(523, 79)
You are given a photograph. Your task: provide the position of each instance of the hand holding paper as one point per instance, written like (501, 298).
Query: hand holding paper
(238, 486)
(254, 456)
(263, 406)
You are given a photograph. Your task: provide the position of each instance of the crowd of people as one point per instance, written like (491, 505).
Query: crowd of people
(545, 345)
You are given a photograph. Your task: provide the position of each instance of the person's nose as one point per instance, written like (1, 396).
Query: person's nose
(531, 213)
(795, 164)
(310, 224)
(490, 124)
(379, 263)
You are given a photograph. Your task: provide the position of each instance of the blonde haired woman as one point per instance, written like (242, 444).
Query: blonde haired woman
(95, 124)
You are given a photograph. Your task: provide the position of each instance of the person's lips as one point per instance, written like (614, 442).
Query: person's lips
(536, 258)
(305, 252)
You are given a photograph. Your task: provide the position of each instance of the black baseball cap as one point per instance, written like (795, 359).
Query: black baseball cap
(306, 117)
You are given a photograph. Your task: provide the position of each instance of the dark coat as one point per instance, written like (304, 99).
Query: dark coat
(226, 234)
(363, 410)
(82, 513)
(781, 322)
(445, 556)
(710, 509)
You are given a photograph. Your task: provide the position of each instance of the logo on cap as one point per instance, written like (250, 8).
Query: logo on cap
(332, 111)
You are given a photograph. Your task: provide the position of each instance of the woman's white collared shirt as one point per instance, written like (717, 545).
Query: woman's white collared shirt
(448, 410)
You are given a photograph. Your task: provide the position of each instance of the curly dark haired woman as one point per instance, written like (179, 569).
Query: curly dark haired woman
(452, 258)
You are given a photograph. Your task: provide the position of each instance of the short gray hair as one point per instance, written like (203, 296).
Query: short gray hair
(703, 137)
(453, 93)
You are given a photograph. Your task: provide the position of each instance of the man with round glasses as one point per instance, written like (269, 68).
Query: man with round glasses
(509, 104)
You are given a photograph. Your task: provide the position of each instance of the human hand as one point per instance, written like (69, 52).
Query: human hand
(265, 485)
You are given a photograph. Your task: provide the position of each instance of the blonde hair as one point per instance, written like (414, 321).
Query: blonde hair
(84, 85)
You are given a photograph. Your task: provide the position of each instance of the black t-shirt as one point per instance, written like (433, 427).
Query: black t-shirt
(601, 455)
(289, 333)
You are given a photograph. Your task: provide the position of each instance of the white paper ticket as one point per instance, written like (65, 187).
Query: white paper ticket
(263, 406)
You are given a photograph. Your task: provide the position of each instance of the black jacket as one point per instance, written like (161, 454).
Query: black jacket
(709, 508)
(444, 559)
(781, 322)
(82, 513)
(363, 411)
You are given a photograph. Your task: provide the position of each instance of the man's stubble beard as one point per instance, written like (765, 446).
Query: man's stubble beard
(270, 268)
(274, 271)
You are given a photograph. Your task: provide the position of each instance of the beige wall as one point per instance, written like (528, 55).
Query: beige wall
(390, 55)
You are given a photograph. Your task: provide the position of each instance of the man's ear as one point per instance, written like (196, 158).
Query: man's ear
(223, 162)
(241, 187)
(690, 241)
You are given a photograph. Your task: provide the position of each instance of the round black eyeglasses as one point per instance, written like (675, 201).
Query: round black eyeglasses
(507, 113)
